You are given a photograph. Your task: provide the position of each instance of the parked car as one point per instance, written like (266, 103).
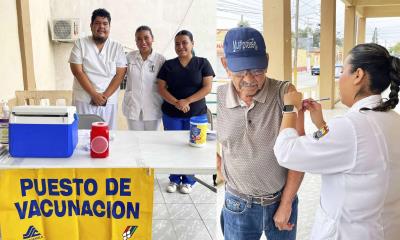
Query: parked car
(315, 70)
(338, 69)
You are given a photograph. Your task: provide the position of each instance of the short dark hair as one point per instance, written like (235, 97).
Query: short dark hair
(185, 33)
(144, 28)
(101, 12)
(382, 69)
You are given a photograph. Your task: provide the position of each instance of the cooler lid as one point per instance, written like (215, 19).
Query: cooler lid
(43, 114)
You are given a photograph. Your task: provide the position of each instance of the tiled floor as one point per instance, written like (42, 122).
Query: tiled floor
(179, 216)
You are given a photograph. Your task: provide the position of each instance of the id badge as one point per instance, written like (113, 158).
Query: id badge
(152, 68)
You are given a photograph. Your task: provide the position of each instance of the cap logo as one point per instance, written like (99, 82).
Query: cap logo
(243, 45)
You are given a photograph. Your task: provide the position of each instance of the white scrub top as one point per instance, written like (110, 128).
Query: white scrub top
(100, 67)
(359, 160)
(141, 94)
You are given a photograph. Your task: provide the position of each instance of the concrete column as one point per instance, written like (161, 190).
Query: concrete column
(349, 29)
(328, 46)
(277, 35)
(361, 30)
(25, 42)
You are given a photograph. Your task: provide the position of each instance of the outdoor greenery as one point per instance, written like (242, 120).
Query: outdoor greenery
(395, 50)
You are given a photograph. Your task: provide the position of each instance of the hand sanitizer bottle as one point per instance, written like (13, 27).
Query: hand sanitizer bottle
(4, 119)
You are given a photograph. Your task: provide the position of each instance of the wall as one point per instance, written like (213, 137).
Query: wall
(43, 51)
(10, 62)
(164, 17)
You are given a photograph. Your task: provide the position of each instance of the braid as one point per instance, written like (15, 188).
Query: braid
(394, 74)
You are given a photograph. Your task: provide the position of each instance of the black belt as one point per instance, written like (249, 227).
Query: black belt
(262, 200)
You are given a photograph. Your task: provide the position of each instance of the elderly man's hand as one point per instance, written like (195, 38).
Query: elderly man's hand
(282, 216)
(293, 98)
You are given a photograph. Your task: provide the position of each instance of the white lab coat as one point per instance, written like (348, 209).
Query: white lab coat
(100, 67)
(359, 160)
(141, 94)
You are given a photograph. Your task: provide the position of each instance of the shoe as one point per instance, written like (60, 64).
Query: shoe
(171, 188)
(185, 188)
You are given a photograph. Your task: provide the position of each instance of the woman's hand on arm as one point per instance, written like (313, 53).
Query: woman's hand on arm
(164, 93)
(315, 110)
(203, 92)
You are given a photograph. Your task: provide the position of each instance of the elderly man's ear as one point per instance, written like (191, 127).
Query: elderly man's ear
(223, 61)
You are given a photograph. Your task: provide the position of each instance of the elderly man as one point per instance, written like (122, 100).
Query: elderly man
(260, 195)
(99, 66)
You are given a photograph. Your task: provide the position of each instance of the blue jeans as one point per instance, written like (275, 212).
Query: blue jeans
(173, 124)
(241, 220)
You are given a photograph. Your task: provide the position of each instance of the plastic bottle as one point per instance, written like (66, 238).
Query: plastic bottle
(99, 140)
(198, 131)
(4, 120)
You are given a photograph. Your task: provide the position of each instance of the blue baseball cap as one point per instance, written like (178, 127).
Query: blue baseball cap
(244, 48)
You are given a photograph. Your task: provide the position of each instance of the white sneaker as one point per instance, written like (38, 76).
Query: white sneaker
(172, 187)
(185, 188)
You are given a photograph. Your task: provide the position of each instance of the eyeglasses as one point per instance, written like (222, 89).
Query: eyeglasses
(253, 72)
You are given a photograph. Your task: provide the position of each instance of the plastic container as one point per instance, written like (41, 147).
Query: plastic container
(4, 120)
(99, 140)
(43, 131)
(4, 130)
(198, 131)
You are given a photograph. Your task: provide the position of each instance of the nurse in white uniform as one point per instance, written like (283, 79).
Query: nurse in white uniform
(142, 103)
(358, 154)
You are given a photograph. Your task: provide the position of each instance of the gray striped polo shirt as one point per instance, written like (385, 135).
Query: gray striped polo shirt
(247, 136)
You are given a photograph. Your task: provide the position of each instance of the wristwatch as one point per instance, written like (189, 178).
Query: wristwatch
(289, 109)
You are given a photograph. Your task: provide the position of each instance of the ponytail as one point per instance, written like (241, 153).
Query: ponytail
(394, 74)
(383, 70)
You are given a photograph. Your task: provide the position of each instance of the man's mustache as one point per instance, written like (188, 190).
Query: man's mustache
(244, 84)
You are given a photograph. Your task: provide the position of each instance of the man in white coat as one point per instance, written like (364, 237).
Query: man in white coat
(99, 66)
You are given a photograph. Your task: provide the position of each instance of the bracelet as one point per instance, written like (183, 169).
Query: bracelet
(321, 132)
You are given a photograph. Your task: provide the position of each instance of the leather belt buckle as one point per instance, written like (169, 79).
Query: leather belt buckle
(265, 201)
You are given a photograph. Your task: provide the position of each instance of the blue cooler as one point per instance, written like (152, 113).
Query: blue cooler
(43, 131)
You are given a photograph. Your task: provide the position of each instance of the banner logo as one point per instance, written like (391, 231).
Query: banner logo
(32, 234)
(129, 231)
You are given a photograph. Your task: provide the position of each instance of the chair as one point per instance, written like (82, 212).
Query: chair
(50, 97)
(210, 119)
(86, 120)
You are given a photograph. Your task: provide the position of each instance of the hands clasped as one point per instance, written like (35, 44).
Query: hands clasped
(183, 105)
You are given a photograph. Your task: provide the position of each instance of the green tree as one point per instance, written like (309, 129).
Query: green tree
(339, 42)
(303, 33)
(316, 37)
(395, 50)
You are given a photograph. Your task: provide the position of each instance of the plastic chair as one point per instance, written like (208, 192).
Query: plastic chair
(86, 120)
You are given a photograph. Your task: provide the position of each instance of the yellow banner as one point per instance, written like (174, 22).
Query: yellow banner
(76, 204)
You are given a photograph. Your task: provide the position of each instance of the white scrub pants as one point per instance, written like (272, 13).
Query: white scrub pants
(140, 125)
(108, 112)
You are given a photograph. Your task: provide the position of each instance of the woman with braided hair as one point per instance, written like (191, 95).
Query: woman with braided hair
(357, 155)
